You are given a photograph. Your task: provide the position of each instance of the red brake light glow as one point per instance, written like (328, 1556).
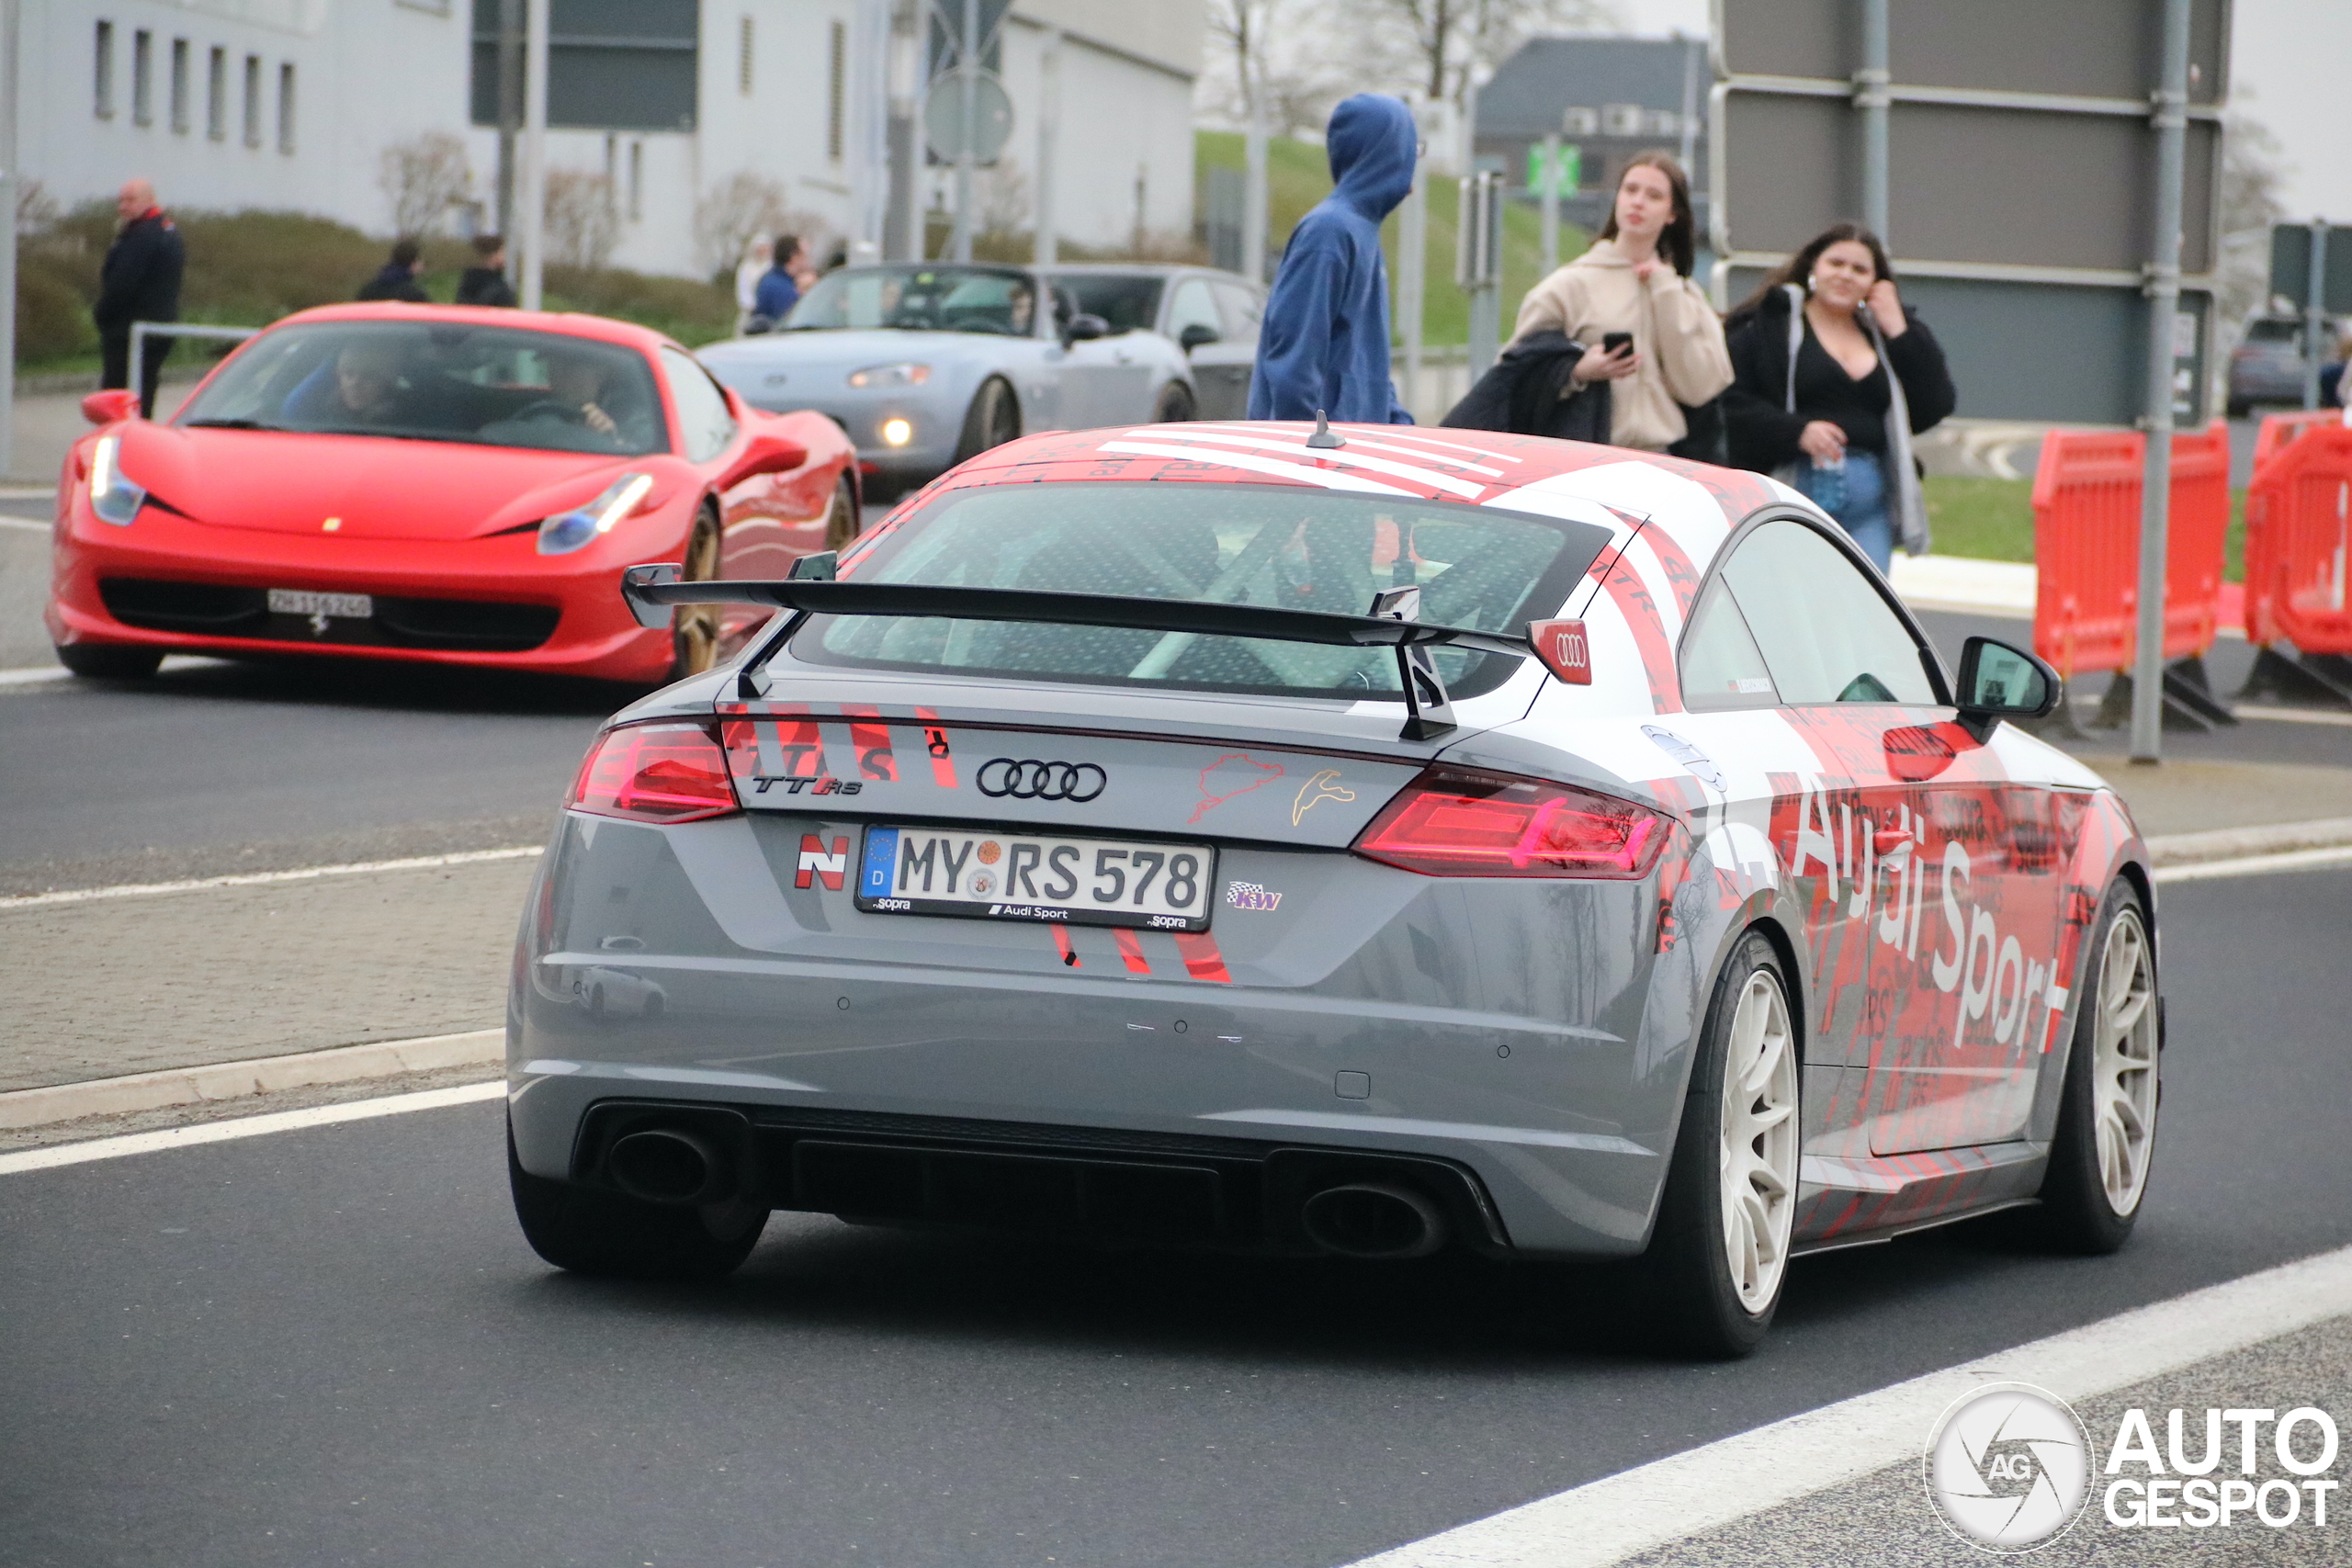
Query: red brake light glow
(1461, 822)
(655, 773)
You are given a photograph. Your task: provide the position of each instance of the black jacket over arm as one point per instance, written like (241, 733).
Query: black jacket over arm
(1763, 434)
(1521, 392)
(139, 280)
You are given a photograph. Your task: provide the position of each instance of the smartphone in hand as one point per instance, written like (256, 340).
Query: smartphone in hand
(1615, 343)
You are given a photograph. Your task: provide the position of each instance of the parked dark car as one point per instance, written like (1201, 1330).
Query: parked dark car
(2267, 366)
(1211, 315)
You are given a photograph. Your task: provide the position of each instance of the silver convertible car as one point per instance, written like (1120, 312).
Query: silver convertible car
(926, 364)
(1358, 841)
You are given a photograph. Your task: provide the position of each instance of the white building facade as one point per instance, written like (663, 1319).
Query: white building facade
(290, 105)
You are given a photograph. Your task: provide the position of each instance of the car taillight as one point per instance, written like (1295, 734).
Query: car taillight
(1465, 822)
(655, 773)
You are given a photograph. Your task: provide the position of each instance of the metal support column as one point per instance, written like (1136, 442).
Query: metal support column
(967, 72)
(2315, 343)
(2171, 122)
(902, 218)
(8, 185)
(532, 195)
(1050, 130)
(1551, 202)
(1253, 178)
(1870, 97)
(1478, 265)
(1412, 282)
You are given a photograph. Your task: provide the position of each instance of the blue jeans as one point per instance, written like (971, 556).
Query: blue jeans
(1862, 512)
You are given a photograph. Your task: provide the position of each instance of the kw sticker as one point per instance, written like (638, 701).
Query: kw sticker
(1251, 896)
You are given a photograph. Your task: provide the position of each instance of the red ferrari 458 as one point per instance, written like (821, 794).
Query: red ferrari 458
(442, 484)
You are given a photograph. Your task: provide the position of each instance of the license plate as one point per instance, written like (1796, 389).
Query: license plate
(1029, 877)
(302, 601)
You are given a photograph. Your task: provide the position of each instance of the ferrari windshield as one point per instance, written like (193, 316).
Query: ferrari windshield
(1279, 546)
(439, 382)
(920, 298)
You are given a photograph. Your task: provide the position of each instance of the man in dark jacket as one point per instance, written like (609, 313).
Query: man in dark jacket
(484, 283)
(1324, 342)
(139, 281)
(779, 287)
(398, 279)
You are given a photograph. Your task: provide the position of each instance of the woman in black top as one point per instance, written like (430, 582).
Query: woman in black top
(1837, 428)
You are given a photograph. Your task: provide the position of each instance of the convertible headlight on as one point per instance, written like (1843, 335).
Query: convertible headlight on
(568, 531)
(112, 497)
(890, 376)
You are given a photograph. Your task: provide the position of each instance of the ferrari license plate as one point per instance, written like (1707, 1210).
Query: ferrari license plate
(302, 601)
(1025, 876)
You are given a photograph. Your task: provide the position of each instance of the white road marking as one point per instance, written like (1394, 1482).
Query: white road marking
(1706, 1488)
(258, 878)
(27, 524)
(247, 1127)
(2258, 865)
(2292, 715)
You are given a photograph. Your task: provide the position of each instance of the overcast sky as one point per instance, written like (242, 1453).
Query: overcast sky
(2290, 67)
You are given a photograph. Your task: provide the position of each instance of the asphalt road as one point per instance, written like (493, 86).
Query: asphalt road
(332, 1347)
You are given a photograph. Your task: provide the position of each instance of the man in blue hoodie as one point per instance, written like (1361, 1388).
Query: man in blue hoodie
(1325, 340)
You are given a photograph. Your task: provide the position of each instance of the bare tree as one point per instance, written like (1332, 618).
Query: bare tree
(732, 212)
(1257, 44)
(425, 178)
(1441, 40)
(583, 223)
(2251, 174)
(1004, 197)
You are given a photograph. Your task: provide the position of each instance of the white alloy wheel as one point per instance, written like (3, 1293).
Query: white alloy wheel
(1759, 1154)
(2123, 1065)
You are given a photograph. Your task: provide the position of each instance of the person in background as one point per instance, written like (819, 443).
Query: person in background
(484, 283)
(779, 288)
(748, 273)
(139, 281)
(1811, 400)
(1636, 279)
(397, 280)
(1323, 344)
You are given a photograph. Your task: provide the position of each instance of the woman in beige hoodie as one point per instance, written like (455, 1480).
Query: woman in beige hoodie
(1637, 279)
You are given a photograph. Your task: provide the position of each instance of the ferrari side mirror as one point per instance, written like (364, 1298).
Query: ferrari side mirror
(114, 404)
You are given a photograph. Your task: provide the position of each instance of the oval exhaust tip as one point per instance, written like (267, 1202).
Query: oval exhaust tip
(664, 1165)
(1373, 1220)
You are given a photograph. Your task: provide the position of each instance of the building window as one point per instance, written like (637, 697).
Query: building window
(142, 77)
(102, 94)
(744, 57)
(252, 100)
(636, 181)
(836, 89)
(216, 95)
(179, 86)
(285, 107)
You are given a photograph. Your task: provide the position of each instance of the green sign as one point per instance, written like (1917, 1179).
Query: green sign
(1568, 170)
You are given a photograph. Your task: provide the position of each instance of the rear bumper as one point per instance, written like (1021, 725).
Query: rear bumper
(676, 966)
(560, 614)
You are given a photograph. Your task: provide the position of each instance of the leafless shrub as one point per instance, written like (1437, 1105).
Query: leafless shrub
(583, 223)
(423, 179)
(732, 212)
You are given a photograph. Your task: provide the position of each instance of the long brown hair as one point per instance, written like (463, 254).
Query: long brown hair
(1679, 239)
(1799, 267)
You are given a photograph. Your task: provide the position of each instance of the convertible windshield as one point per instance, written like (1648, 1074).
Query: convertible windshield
(439, 382)
(1291, 548)
(920, 298)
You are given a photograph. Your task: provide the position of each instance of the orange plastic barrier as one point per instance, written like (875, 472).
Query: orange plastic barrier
(2279, 429)
(2297, 532)
(2087, 546)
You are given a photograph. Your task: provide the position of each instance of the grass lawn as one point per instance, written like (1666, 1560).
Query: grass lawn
(1992, 520)
(1298, 176)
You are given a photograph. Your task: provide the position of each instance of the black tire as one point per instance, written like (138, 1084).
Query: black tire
(109, 661)
(695, 628)
(588, 1232)
(842, 524)
(993, 419)
(1696, 1304)
(1175, 405)
(2080, 1212)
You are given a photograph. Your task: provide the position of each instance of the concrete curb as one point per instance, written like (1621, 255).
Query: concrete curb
(232, 1080)
(2234, 844)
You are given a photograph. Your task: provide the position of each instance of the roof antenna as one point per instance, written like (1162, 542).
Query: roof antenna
(1323, 440)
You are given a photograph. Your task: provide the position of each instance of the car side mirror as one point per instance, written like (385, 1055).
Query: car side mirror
(765, 454)
(1997, 681)
(1083, 328)
(114, 404)
(1197, 334)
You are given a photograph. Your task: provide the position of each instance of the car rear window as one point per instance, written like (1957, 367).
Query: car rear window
(1292, 547)
(1127, 301)
(439, 382)
(2274, 332)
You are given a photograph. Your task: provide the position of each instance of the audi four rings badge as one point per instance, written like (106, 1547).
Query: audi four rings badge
(1029, 779)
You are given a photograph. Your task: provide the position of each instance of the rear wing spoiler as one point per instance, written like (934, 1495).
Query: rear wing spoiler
(650, 591)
